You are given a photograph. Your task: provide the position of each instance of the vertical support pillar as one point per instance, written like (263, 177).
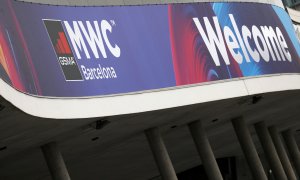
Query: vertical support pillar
(287, 166)
(55, 162)
(204, 149)
(292, 148)
(248, 148)
(270, 151)
(161, 155)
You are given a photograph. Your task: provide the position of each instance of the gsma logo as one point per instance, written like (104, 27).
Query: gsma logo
(63, 51)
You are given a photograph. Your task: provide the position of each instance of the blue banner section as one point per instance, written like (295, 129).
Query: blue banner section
(59, 51)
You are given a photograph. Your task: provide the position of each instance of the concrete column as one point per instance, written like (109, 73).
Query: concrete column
(204, 149)
(287, 166)
(161, 155)
(270, 151)
(292, 148)
(55, 162)
(248, 148)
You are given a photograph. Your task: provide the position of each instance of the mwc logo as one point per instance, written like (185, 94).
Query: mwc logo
(87, 39)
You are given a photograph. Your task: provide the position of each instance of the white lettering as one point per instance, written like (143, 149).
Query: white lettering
(232, 44)
(270, 36)
(247, 35)
(105, 26)
(269, 44)
(258, 36)
(213, 40)
(96, 39)
(237, 32)
(76, 39)
(283, 45)
(93, 38)
(98, 72)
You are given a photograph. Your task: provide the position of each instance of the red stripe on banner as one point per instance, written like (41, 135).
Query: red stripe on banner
(64, 41)
(61, 46)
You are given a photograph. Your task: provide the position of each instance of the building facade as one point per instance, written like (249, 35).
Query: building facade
(137, 90)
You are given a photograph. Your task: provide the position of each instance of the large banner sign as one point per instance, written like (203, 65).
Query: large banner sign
(59, 51)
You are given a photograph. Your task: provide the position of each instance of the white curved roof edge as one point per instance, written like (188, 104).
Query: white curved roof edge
(135, 103)
(294, 14)
(140, 2)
